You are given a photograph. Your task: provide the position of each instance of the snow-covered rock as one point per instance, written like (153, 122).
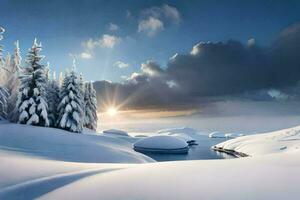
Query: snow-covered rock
(161, 144)
(116, 132)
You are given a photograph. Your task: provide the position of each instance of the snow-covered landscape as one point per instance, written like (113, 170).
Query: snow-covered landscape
(46, 163)
(149, 100)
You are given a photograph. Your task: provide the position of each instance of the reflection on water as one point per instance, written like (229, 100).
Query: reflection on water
(202, 151)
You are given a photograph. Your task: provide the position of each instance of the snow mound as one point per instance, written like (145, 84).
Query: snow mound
(267, 143)
(171, 131)
(217, 134)
(161, 144)
(185, 133)
(56, 144)
(116, 132)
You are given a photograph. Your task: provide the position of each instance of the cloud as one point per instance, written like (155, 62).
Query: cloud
(151, 68)
(154, 19)
(172, 13)
(113, 27)
(109, 41)
(105, 41)
(121, 64)
(214, 71)
(150, 26)
(85, 55)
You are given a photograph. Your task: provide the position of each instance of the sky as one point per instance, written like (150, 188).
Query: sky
(166, 54)
(136, 31)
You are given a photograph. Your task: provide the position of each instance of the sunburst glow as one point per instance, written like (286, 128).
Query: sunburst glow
(112, 111)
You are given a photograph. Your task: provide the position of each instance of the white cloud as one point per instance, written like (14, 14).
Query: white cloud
(155, 18)
(109, 41)
(113, 27)
(106, 41)
(171, 84)
(150, 26)
(85, 55)
(172, 13)
(121, 64)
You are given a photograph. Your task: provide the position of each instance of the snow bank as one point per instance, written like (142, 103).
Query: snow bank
(265, 177)
(116, 132)
(260, 144)
(161, 144)
(56, 144)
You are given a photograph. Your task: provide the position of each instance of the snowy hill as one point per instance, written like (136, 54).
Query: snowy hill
(56, 144)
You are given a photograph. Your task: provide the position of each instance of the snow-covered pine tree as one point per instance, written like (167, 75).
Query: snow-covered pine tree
(53, 100)
(3, 102)
(90, 100)
(2, 30)
(13, 84)
(70, 108)
(31, 103)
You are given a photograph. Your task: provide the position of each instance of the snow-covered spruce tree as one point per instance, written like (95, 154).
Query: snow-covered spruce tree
(13, 84)
(31, 103)
(90, 116)
(3, 70)
(2, 30)
(53, 100)
(70, 108)
(3, 102)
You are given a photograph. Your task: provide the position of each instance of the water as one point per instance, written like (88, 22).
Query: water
(202, 151)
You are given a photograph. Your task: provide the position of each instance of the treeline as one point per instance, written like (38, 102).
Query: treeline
(31, 95)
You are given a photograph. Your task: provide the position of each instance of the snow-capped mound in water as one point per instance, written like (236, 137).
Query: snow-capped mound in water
(217, 134)
(116, 132)
(56, 144)
(259, 144)
(184, 133)
(161, 144)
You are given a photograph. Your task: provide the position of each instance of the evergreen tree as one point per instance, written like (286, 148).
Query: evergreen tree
(70, 108)
(53, 100)
(3, 102)
(31, 103)
(13, 84)
(2, 30)
(90, 118)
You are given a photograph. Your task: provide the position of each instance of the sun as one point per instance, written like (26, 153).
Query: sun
(112, 111)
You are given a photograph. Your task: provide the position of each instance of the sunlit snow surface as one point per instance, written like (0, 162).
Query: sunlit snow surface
(53, 164)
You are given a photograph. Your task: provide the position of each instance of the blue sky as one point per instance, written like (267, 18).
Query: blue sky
(141, 30)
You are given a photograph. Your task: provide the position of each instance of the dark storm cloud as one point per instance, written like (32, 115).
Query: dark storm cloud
(214, 70)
